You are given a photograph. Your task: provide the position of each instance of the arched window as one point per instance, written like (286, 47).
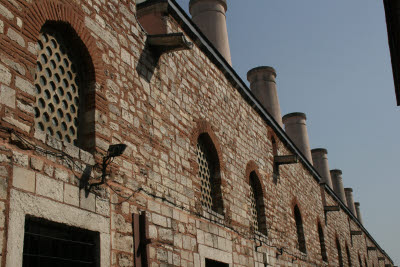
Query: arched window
(300, 230)
(339, 249)
(322, 243)
(209, 174)
(359, 260)
(63, 81)
(258, 219)
(348, 256)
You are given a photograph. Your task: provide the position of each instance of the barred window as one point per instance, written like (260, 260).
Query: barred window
(300, 230)
(258, 218)
(209, 174)
(53, 244)
(62, 79)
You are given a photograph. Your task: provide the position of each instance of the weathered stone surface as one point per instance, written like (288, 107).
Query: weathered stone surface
(3, 188)
(7, 96)
(89, 202)
(24, 179)
(5, 75)
(6, 12)
(24, 85)
(71, 194)
(16, 37)
(48, 187)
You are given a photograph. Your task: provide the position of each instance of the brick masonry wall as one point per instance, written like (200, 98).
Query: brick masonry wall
(157, 107)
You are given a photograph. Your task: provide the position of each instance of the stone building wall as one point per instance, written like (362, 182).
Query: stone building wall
(157, 107)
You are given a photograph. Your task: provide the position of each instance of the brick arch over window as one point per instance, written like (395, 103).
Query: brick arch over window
(209, 167)
(256, 196)
(299, 229)
(42, 11)
(74, 120)
(322, 242)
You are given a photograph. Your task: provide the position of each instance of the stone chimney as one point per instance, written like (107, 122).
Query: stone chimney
(263, 85)
(209, 16)
(350, 200)
(337, 182)
(296, 128)
(320, 161)
(357, 205)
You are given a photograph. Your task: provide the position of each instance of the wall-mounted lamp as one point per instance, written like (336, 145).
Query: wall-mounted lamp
(113, 151)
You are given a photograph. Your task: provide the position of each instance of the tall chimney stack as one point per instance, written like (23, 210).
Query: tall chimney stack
(357, 205)
(337, 182)
(350, 200)
(320, 161)
(296, 128)
(209, 16)
(263, 85)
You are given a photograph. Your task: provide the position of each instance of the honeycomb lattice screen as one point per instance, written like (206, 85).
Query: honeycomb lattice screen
(205, 171)
(57, 88)
(254, 214)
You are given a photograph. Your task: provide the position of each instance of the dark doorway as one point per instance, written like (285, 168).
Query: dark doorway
(211, 263)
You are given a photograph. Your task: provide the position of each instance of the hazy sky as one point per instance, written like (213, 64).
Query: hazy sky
(333, 63)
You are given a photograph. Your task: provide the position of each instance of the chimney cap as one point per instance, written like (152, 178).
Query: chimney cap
(348, 189)
(261, 69)
(357, 203)
(336, 171)
(322, 150)
(222, 2)
(294, 114)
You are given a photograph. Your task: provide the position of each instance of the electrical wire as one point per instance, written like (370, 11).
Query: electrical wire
(62, 155)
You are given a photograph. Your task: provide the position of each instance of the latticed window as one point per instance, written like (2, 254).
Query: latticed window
(257, 206)
(59, 82)
(208, 175)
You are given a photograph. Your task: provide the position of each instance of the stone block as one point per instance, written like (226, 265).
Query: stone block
(49, 187)
(5, 75)
(120, 224)
(3, 188)
(24, 179)
(71, 194)
(89, 202)
(7, 96)
(16, 37)
(6, 13)
(2, 213)
(159, 220)
(122, 242)
(61, 175)
(20, 159)
(103, 206)
(25, 86)
(166, 235)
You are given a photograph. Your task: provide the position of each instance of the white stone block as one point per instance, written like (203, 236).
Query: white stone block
(71, 194)
(24, 179)
(49, 187)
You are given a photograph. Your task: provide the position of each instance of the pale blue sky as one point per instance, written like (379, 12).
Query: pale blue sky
(333, 63)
